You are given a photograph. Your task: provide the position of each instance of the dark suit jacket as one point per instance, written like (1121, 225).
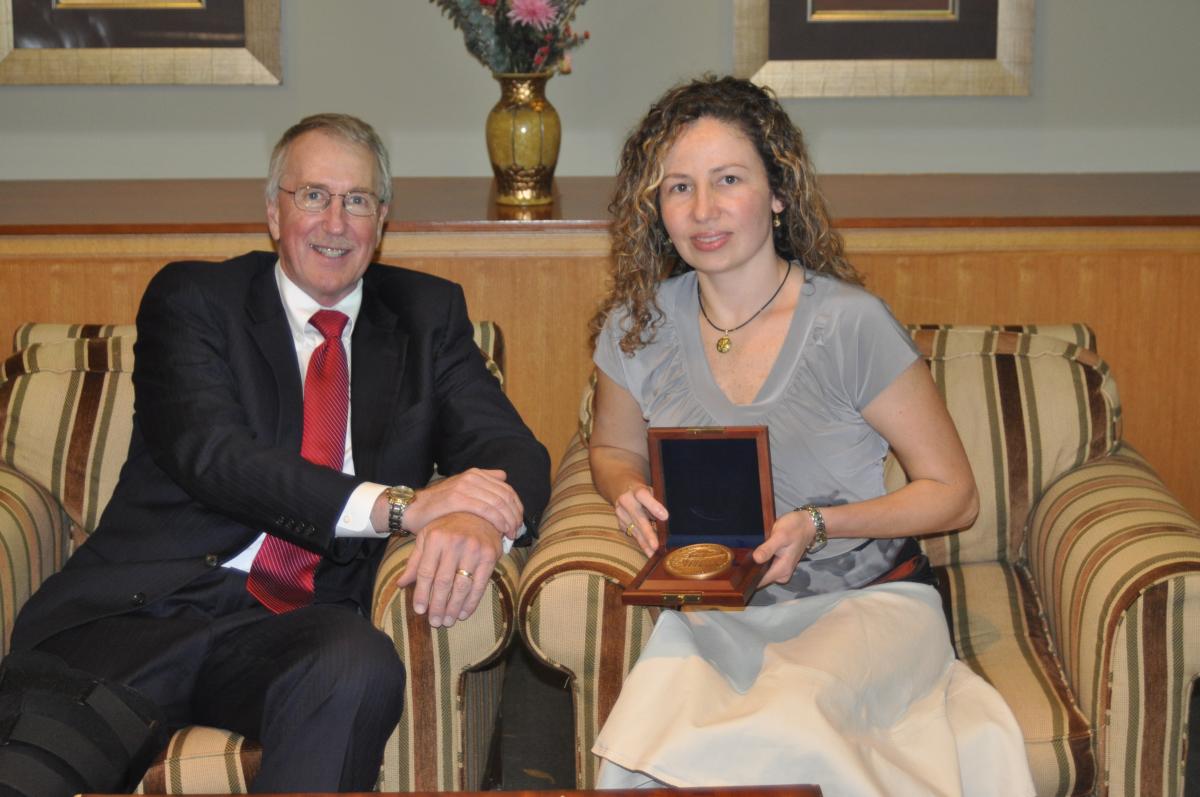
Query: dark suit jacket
(214, 458)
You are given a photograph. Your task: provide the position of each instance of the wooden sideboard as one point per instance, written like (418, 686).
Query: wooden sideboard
(1120, 252)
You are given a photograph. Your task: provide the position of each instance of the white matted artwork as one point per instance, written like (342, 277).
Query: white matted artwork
(1005, 71)
(100, 42)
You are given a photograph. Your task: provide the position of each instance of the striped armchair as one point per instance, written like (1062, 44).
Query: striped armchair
(1076, 593)
(66, 407)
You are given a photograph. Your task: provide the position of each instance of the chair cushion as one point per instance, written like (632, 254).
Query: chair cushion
(1028, 407)
(66, 412)
(999, 630)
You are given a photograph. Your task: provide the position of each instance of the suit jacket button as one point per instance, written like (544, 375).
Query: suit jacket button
(310, 529)
(212, 560)
(138, 598)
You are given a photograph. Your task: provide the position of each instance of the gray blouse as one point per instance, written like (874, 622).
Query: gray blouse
(843, 348)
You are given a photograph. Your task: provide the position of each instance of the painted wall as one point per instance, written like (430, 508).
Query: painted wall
(1115, 88)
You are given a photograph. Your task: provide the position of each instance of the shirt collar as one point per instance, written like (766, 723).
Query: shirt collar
(299, 306)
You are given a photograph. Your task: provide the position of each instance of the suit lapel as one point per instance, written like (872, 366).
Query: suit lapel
(268, 327)
(376, 372)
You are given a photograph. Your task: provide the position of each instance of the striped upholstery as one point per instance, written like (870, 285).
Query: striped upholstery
(1028, 408)
(200, 760)
(439, 745)
(1116, 561)
(34, 332)
(570, 612)
(33, 544)
(66, 406)
(1076, 574)
(67, 415)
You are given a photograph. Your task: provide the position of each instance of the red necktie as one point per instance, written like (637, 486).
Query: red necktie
(281, 577)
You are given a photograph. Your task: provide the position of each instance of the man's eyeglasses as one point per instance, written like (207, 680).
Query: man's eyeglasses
(314, 199)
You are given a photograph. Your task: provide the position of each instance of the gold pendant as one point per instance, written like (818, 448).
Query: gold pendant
(724, 344)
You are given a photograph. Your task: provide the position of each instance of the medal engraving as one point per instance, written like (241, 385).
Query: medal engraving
(699, 561)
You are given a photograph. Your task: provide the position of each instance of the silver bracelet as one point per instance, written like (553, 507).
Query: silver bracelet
(819, 540)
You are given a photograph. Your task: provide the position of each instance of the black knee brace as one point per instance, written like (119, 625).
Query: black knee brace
(63, 732)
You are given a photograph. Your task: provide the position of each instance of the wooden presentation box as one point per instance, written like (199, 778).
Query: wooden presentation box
(716, 485)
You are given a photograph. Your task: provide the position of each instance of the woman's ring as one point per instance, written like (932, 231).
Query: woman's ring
(462, 572)
(629, 528)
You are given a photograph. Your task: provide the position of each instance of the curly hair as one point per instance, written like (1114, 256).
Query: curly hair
(642, 253)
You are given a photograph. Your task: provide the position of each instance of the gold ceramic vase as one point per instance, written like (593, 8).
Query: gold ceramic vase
(523, 134)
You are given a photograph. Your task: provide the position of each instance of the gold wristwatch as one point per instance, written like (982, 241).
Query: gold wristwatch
(819, 539)
(399, 498)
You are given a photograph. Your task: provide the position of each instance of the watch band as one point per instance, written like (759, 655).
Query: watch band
(399, 498)
(819, 539)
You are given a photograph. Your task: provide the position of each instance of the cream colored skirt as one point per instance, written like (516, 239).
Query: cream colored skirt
(857, 691)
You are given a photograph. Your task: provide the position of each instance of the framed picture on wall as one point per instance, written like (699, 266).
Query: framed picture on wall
(199, 42)
(885, 48)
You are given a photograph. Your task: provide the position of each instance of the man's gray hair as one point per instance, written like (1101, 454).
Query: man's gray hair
(350, 129)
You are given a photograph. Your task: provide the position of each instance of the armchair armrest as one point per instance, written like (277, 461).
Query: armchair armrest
(569, 608)
(433, 748)
(34, 543)
(1116, 559)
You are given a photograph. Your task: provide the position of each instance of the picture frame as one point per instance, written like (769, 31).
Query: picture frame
(256, 63)
(1007, 74)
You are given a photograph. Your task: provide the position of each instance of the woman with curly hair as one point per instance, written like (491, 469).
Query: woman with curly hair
(733, 304)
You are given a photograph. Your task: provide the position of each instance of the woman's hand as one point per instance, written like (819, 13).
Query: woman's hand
(619, 461)
(785, 547)
(637, 509)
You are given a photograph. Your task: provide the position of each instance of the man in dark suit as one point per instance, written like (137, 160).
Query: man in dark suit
(229, 580)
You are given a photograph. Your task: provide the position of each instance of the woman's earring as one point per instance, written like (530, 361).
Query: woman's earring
(777, 222)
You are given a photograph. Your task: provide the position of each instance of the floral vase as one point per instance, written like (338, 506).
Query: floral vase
(523, 134)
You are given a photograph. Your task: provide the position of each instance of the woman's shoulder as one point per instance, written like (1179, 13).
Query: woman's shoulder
(674, 291)
(845, 299)
(668, 296)
(839, 289)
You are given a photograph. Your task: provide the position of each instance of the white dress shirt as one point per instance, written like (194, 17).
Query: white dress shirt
(355, 520)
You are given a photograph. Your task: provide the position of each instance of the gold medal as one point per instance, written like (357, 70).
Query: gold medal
(724, 344)
(699, 561)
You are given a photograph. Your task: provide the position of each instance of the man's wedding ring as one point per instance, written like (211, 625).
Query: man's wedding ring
(465, 573)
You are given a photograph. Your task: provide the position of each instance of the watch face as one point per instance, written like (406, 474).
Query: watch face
(402, 495)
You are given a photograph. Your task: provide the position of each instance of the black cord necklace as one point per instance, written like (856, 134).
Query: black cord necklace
(724, 344)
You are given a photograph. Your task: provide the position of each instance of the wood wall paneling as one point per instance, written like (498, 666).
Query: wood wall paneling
(1136, 288)
(540, 293)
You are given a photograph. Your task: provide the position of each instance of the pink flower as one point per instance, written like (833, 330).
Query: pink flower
(534, 13)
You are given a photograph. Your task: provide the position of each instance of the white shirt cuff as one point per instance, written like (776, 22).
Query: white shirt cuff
(507, 544)
(355, 520)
